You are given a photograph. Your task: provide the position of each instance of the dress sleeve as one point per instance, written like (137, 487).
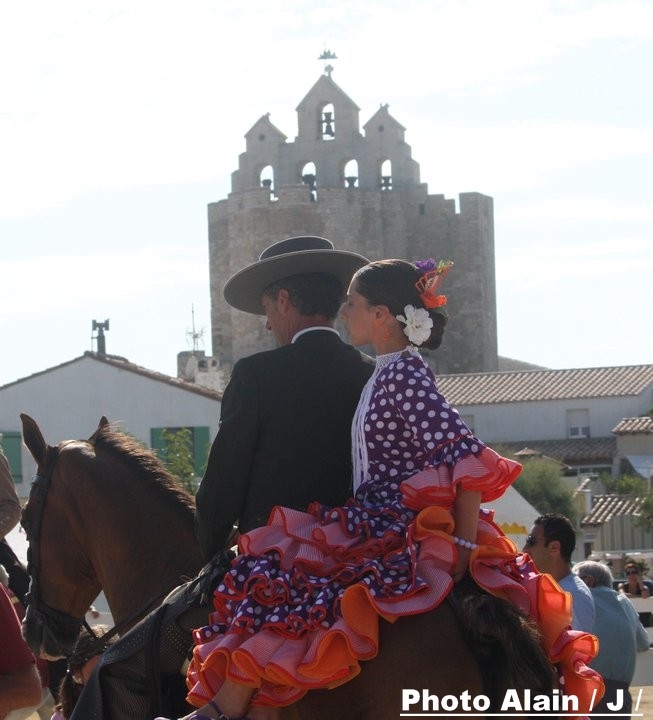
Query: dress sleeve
(444, 443)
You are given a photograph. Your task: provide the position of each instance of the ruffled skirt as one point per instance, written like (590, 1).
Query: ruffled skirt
(300, 606)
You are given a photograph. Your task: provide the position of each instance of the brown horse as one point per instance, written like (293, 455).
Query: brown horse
(103, 513)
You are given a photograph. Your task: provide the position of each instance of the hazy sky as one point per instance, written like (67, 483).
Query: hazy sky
(120, 121)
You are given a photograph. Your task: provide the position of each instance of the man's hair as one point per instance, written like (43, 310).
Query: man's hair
(558, 527)
(600, 572)
(311, 293)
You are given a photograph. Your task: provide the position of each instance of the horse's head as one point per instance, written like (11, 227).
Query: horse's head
(63, 583)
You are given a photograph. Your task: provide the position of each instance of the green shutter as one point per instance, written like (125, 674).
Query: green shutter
(11, 446)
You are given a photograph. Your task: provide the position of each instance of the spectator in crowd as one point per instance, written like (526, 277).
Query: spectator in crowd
(20, 683)
(621, 636)
(550, 544)
(635, 585)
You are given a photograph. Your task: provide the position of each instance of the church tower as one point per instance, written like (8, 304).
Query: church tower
(363, 192)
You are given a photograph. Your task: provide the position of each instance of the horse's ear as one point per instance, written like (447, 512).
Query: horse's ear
(103, 423)
(33, 439)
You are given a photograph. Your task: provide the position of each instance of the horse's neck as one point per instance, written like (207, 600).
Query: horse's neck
(143, 557)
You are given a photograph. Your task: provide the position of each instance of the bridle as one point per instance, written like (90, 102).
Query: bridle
(53, 622)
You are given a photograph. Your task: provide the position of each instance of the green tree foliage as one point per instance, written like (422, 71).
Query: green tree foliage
(178, 457)
(540, 483)
(645, 516)
(624, 485)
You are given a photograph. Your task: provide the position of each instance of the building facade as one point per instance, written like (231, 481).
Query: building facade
(362, 190)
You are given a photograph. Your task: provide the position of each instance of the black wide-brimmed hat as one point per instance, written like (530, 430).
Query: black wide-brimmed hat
(293, 256)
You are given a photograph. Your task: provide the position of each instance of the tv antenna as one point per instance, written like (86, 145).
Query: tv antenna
(196, 336)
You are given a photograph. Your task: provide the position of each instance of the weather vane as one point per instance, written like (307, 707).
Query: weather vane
(328, 55)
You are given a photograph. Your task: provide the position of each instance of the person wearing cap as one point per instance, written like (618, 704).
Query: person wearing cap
(284, 436)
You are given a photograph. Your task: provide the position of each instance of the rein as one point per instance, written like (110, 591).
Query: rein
(59, 622)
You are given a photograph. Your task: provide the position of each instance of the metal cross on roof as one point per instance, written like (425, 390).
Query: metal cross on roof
(328, 55)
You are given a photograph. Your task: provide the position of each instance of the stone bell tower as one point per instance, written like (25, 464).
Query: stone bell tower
(361, 190)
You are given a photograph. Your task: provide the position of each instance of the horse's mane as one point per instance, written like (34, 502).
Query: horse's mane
(143, 462)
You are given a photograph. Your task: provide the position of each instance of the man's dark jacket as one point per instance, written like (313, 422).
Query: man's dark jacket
(284, 436)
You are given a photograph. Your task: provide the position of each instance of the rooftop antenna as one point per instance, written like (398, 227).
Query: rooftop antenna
(328, 55)
(100, 327)
(196, 336)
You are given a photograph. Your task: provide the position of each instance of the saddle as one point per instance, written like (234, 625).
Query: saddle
(140, 675)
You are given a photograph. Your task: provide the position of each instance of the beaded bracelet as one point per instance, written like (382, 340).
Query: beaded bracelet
(464, 543)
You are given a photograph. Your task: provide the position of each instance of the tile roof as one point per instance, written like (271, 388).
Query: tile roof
(605, 507)
(530, 385)
(569, 452)
(634, 426)
(124, 364)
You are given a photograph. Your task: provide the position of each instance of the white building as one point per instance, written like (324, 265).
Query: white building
(67, 402)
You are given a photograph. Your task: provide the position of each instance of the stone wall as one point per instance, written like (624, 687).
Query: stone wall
(383, 210)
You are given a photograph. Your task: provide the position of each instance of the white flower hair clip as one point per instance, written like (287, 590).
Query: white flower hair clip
(418, 324)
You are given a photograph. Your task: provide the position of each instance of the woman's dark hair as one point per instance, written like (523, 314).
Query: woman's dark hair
(311, 293)
(392, 283)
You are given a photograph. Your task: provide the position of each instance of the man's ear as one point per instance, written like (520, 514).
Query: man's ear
(283, 300)
(554, 547)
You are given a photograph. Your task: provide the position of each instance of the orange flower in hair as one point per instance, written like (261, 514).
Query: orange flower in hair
(428, 284)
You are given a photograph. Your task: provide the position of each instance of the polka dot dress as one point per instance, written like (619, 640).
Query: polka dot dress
(300, 606)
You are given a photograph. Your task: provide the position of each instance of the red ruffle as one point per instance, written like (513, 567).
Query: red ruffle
(283, 661)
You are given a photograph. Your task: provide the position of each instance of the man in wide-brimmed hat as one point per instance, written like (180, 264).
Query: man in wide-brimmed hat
(284, 439)
(285, 426)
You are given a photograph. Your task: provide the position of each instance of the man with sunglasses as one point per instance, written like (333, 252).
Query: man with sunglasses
(550, 543)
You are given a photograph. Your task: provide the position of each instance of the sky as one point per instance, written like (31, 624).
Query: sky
(120, 121)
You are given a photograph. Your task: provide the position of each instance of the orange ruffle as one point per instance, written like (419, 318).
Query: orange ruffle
(283, 664)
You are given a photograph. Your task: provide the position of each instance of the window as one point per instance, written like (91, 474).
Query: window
(309, 178)
(200, 445)
(266, 177)
(386, 175)
(351, 174)
(328, 123)
(11, 444)
(578, 423)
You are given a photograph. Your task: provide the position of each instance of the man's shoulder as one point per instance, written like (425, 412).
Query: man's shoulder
(316, 344)
(575, 585)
